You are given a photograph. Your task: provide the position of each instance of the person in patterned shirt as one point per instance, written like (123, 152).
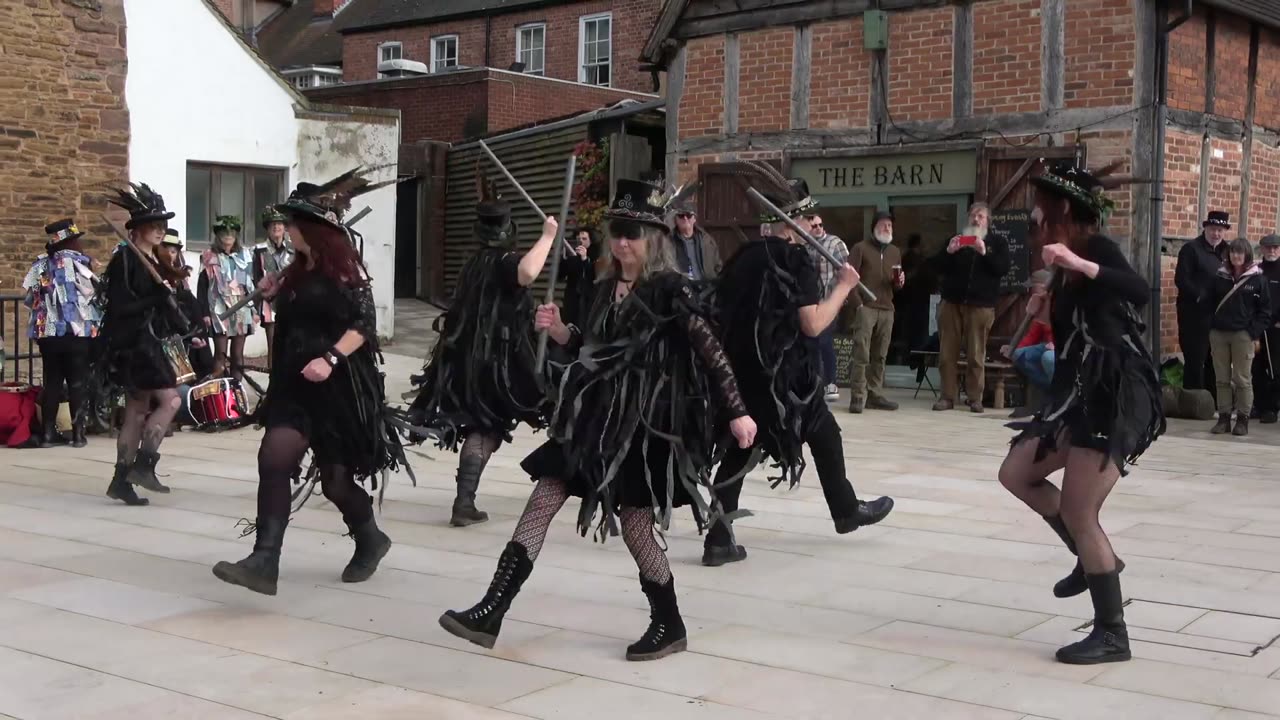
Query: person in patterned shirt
(826, 283)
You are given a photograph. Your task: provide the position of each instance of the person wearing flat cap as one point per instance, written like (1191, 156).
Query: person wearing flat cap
(64, 318)
(1266, 388)
(1198, 263)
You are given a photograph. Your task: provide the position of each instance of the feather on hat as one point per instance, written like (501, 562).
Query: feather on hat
(144, 204)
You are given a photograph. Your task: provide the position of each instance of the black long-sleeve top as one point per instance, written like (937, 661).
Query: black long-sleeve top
(1198, 265)
(967, 277)
(1246, 309)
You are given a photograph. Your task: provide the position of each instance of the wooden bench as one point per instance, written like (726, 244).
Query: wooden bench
(997, 374)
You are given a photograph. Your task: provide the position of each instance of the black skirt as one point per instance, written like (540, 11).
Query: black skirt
(630, 488)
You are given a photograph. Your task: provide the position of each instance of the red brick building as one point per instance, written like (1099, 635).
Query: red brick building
(931, 105)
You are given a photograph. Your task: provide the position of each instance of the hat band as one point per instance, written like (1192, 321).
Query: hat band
(65, 233)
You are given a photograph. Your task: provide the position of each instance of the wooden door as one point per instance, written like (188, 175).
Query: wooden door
(724, 210)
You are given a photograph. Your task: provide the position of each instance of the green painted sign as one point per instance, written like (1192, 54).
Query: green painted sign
(925, 173)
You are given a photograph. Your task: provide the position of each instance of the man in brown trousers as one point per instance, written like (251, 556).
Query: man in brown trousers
(879, 263)
(970, 268)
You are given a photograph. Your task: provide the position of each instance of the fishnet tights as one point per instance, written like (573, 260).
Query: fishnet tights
(147, 414)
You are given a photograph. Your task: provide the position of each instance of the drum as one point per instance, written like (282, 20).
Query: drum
(216, 403)
(175, 351)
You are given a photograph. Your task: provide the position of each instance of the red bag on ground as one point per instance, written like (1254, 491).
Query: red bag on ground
(17, 413)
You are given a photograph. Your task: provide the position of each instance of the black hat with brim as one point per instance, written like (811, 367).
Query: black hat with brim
(298, 208)
(171, 238)
(144, 205)
(1270, 241)
(881, 215)
(1218, 218)
(62, 231)
(639, 201)
(794, 203)
(1067, 180)
(272, 214)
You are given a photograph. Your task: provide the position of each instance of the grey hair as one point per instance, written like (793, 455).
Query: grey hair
(979, 206)
(659, 258)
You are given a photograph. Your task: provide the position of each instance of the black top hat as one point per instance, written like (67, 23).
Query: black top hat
(640, 201)
(144, 204)
(171, 238)
(62, 231)
(1270, 241)
(1218, 218)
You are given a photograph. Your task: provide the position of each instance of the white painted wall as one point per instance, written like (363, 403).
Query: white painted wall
(185, 101)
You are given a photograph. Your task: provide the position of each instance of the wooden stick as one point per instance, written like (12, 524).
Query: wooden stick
(150, 265)
(767, 205)
(1023, 327)
(556, 251)
(511, 179)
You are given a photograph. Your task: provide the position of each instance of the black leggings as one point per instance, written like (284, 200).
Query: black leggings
(279, 458)
(66, 362)
(220, 344)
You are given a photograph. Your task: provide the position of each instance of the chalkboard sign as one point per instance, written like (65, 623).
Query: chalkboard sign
(844, 359)
(1013, 226)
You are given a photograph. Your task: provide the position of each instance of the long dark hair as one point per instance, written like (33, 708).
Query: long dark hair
(330, 253)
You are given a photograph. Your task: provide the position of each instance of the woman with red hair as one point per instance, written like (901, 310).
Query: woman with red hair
(326, 393)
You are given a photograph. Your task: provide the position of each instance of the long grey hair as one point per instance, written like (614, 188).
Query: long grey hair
(659, 258)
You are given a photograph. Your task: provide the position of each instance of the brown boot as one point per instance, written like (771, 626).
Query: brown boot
(1224, 424)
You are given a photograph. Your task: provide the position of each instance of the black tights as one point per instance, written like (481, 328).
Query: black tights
(550, 494)
(220, 344)
(147, 415)
(279, 457)
(65, 361)
(1087, 480)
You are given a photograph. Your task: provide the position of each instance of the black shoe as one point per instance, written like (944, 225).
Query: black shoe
(1108, 641)
(1242, 426)
(1223, 425)
(371, 546)
(856, 406)
(714, 555)
(78, 437)
(1254, 413)
(666, 634)
(875, 402)
(120, 489)
(464, 504)
(50, 437)
(1268, 418)
(143, 472)
(1022, 412)
(261, 570)
(481, 623)
(1076, 582)
(868, 513)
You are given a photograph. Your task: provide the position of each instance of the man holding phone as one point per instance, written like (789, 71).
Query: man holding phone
(970, 268)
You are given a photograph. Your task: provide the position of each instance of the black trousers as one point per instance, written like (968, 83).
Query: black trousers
(1193, 336)
(827, 448)
(1266, 389)
(66, 365)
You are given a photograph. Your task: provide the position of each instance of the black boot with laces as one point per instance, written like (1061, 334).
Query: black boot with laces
(666, 634)
(371, 546)
(481, 623)
(260, 571)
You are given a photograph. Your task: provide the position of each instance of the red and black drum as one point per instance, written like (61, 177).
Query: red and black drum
(215, 404)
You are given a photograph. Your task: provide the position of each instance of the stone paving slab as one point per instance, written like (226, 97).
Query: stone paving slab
(943, 611)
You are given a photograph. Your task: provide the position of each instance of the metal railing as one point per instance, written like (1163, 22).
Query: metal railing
(18, 350)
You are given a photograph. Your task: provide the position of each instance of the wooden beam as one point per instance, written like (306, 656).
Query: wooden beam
(879, 96)
(1202, 193)
(1053, 18)
(1210, 65)
(1190, 121)
(962, 61)
(1250, 110)
(874, 150)
(731, 69)
(655, 46)
(791, 14)
(1008, 187)
(1143, 164)
(675, 95)
(801, 64)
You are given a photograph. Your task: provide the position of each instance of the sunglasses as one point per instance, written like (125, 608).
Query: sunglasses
(684, 216)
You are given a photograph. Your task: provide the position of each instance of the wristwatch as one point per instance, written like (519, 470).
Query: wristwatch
(330, 358)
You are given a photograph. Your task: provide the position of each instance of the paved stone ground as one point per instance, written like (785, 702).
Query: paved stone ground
(942, 611)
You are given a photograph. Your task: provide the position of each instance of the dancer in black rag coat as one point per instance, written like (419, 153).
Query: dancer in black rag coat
(635, 426)
(326, 390)
(770, 315)
(1103, 408)
(480, 382)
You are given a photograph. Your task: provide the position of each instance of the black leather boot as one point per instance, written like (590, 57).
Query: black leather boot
(719, 549)
(143, 472)
(868, 513)
(464, 504)
(1242, 425)
(120, 489)
(371, 546)
(666, 634)
(78, 437)
(481, 623)
(261, 570)
(1223, 425)
(50, 437)
(1108, 641)
(1075, 583)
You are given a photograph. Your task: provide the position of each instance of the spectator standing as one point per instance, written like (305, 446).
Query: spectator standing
(579, 269)
(696, 253)
(1198, 265)
(970, 268)
(1266, 389)
(826, 284)
(1242, 312)
(879, 264)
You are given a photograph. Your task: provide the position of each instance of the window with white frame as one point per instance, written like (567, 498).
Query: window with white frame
(531, 48)
(302, 82)
(388, 52)
(595, 49)
(444, 52)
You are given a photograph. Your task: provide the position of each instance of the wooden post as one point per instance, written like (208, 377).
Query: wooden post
(1052, 54)
(962, 61)
(731, 69)
(801, 64)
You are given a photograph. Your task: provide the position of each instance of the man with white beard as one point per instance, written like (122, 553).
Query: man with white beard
(970, 268)
(879, 263)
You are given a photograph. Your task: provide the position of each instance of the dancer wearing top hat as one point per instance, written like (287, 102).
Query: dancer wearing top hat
(480, 381)
(770, 316)
(636, 421)
(226, 278)
(326, 391)
(1103, 408)
(271, 258)
(1196, 273)
(140, 319)
(60, 290)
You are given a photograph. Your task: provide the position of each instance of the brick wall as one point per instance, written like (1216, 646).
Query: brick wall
(64, 126)
(632, 21)
(920, 65)
(1006, 56)
(1267, 113)
(702, 103)
(764, 83)
(1104, 148)
(1231, 67)
(469, 104)
(1264, 191)
(1181, 184)
(839, 86)
(1168, 308)
(1225, 159)
(1099, 46)
(1187, 63)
